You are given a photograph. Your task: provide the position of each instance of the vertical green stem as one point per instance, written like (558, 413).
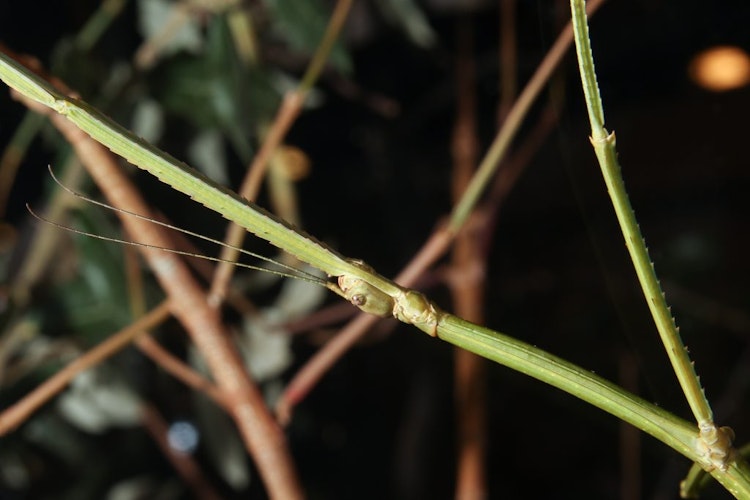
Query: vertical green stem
(330, 36)
(604, 146)
(98, 23)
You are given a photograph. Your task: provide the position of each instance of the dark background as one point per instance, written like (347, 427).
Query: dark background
(381, 423)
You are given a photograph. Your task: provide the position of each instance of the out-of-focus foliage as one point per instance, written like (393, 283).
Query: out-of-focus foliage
(378, 136)
(196, 97)
(215, 89)
(301, 25)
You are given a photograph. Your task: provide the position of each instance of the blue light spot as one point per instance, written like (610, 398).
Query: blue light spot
(183, 437)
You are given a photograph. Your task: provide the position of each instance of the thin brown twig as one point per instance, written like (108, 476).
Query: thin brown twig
(206, 268)
(261, 434)
(467, 285)
(181, 371)
(508, 58)
(433, 249)
(512, 122)
(23, 409)
(183, 463)
(630, 437)
(149, 52)
(46, 241)
(150, 347)
(290, 109)
(436, 246)
(317, 366)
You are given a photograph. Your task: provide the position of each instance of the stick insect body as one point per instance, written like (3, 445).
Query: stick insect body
(376, 294)
(379, 296)
(406, 305)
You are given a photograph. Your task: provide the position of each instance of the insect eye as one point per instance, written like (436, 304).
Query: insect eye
(359, 299)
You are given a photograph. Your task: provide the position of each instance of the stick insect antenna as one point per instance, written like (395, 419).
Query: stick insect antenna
(293, 271)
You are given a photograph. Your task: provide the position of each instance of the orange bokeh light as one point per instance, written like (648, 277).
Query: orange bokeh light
(721, 68)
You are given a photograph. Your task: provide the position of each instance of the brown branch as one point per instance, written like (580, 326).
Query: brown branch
(311, 373)
(150, 347)
(171, 364)
(206, 268)
(467, 285)
(290, 109)
(319, 365)
(23, 409)
(508, 58)
(630, 437)
(434, 248)
(261, 434)
(183, 463)
(327, 316)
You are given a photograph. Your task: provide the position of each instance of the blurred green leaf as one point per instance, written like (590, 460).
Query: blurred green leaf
(407, 15)
(52, 434)
(98, 400)
(153, 15)
(302, 25)
(222, 442)
(206, 151)
(80, 70)
(215, 90)
(93, 299)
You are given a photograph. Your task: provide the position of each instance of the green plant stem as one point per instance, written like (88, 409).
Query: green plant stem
(184, 179)
(675, 432)
(330, 36)
(581, 383)
(98, 23)
(497, 347)
(714, 444)
(604, 147)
